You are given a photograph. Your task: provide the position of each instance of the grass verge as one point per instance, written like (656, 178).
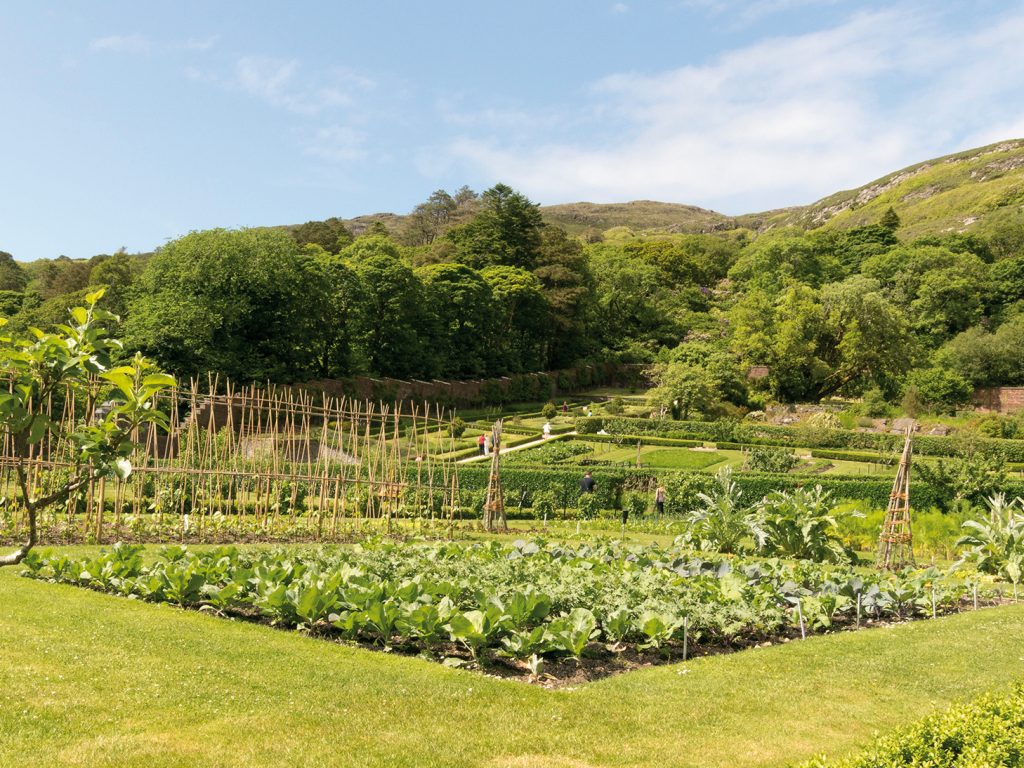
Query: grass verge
(94, 680)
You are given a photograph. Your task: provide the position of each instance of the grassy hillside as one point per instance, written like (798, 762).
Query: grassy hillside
(947, 194)
(580, 218)
(95, 680)
(955, 193)
(959, 192)
(639, 215)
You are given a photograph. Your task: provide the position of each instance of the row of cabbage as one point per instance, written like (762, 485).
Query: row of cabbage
(525, 601)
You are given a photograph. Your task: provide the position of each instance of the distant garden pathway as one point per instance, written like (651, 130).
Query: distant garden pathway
(530, 444)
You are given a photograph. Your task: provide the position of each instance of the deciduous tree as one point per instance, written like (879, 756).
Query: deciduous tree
(76, 358)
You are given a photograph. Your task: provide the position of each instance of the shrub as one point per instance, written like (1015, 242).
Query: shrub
(940, 388)
(615, 406)
(823, 420)
(875, 404)
(544, 505)
(635, 504)
(771, 460)
(983, 732)
(475, 501)
(457, 427)
(589, 506)
(549, 411)
(912, 404)
(997, 427)
(973, 479)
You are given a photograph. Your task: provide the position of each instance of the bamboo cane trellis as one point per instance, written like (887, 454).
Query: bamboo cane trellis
(494, 504)
(247, 462)
(896, 542)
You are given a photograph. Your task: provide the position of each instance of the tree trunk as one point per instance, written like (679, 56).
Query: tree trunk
(32, 506)
(22, 552)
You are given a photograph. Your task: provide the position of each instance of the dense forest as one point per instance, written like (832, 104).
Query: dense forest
(471, 285)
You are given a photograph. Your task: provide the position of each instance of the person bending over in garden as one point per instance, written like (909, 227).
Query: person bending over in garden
(659, 500)
(588, 484)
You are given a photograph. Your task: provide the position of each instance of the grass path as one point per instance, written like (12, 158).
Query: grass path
(95, 680)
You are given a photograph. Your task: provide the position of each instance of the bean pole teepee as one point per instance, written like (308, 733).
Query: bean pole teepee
(494, 507)
(895, 544)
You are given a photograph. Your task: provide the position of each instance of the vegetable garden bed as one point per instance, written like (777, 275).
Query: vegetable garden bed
(542, 612)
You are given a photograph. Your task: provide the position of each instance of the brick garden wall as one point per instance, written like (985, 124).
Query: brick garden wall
(1000, 399)
(483, 392)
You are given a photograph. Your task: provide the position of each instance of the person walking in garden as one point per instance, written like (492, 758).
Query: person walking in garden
(547, 429)
(588, 484)
(482, 444)
(565, 408)
(487, 444)
(659, 499)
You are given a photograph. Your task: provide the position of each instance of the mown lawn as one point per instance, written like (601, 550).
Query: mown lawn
(95, 680)
(674, 458)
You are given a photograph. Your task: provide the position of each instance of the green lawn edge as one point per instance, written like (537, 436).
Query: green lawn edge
(92, 679)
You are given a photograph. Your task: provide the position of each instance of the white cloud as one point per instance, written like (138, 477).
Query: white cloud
(336, 144)
(747, 11)
(452, 109)
(620, 8)
(200, 43)
(782, 121)
(143, 44)
(282, 83)
(122, 44)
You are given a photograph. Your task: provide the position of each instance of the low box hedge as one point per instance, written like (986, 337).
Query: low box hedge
(627, 440)
(874, 458)
(726, 432)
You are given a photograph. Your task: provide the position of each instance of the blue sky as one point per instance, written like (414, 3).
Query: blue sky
(128, 124)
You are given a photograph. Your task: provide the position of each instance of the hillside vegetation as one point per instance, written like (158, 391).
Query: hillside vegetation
(965, 191)
(956, 193)
(639, 215)
(885, 296)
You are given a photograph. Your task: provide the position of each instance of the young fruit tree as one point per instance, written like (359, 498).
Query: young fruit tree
(71, 365)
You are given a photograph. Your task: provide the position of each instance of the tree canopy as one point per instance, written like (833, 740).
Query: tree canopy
(471, 285)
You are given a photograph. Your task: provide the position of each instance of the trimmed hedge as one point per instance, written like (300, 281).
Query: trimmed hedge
(873, 458)
(515, 429)
(725, 432)
(683, 486)
(988, 731)
(628, 440)
(723, 445)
